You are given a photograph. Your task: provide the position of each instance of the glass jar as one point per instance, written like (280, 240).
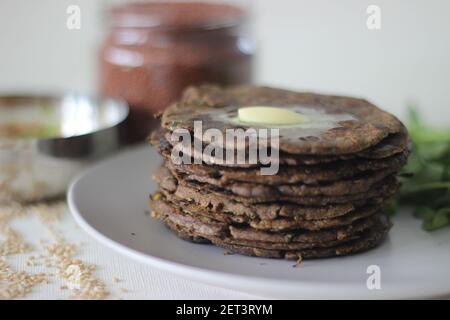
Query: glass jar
(156, 49)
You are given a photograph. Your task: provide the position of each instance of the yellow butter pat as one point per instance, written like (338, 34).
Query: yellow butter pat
(270, 116)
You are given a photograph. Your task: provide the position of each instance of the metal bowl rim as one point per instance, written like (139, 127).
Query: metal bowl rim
(119, 102)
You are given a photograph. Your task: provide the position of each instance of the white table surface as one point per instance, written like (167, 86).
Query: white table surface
(136, 281)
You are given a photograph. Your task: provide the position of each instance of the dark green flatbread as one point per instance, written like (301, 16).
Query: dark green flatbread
(356, 184)
(313, 174)
(361, 242)
(204, 226)
(368, 127)
(194, 190)
(261, 244)
(337, 171)
(265, 211)
(199, 214)
(392, 145)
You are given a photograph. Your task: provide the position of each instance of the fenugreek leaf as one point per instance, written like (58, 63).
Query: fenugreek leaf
(428, 187)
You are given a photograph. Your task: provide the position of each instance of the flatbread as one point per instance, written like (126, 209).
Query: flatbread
(368, 125)
(363, 241)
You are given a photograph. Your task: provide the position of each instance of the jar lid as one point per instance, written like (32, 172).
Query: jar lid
(177, 15)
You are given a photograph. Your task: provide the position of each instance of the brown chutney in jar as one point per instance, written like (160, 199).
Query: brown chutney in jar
(156, 49)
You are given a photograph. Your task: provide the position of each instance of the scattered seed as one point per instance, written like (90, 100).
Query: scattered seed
(59, 254)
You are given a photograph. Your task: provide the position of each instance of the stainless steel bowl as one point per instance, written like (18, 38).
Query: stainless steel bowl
(46, 140)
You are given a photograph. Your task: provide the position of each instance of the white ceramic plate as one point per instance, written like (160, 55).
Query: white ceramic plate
(109, 201)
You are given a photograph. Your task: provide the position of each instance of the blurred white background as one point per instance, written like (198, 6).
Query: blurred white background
(320, 45)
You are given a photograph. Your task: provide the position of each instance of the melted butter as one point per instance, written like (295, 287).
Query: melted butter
(270, 116)
(316, 121)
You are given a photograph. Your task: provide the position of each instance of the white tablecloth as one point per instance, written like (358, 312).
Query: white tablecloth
(124, 278)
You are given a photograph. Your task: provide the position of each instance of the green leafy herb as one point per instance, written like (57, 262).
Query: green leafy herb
(428, 188)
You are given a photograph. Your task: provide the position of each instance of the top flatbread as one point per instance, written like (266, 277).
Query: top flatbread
(367, 125)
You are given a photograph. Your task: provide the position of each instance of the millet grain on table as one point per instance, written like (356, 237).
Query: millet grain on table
(76, 275)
